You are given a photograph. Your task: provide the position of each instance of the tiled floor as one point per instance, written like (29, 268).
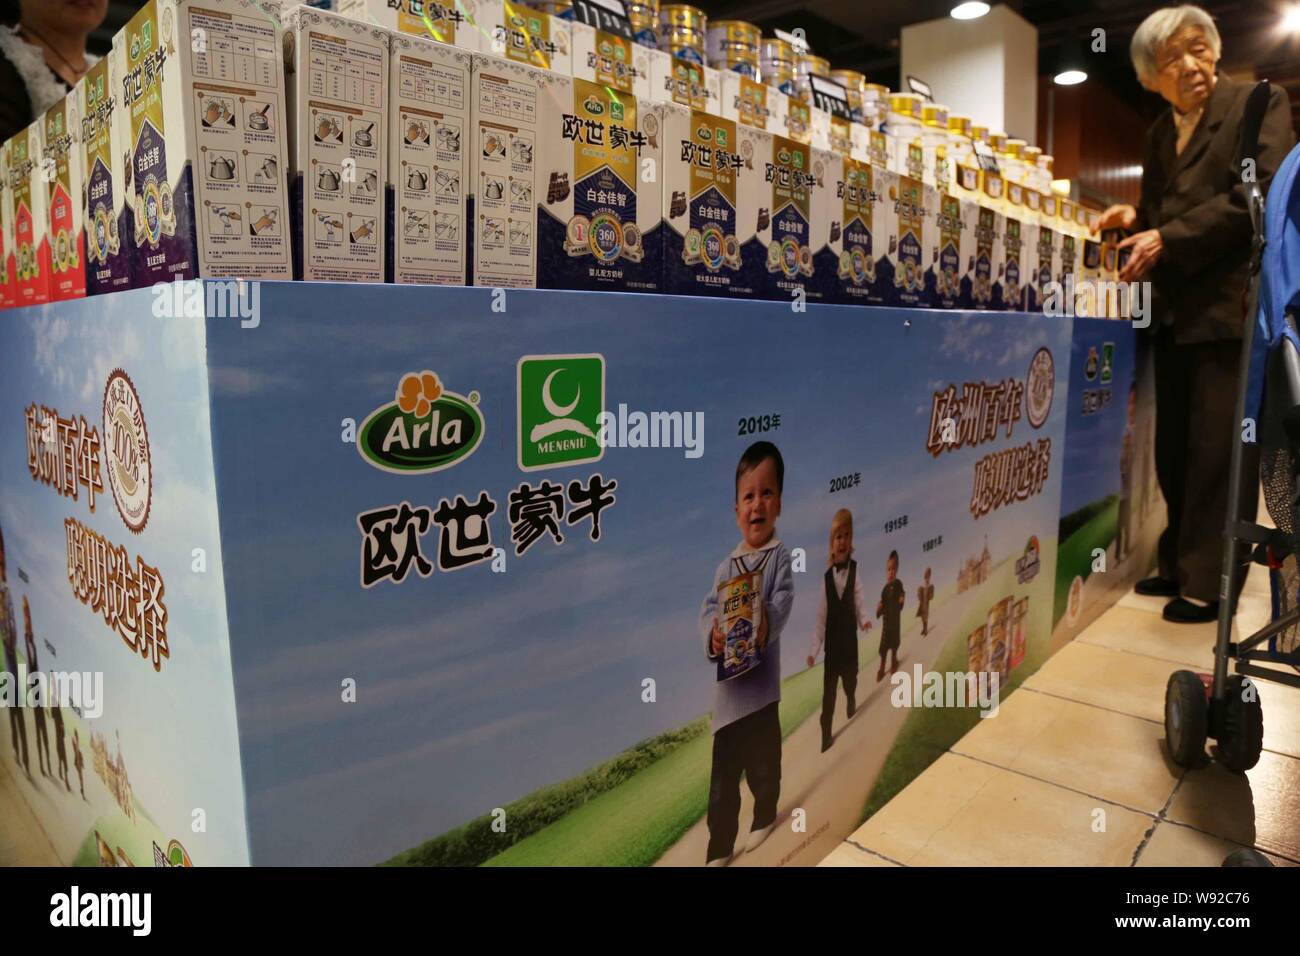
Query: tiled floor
(1074, 771)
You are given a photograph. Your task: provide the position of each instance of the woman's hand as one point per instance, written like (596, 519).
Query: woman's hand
(1116, 217)
(1147, 248)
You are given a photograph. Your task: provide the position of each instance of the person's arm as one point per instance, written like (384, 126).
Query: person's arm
(1150, 189)
(709, 613)
(781, 600)
(1221, 224)
(819, 629)
(861, 610)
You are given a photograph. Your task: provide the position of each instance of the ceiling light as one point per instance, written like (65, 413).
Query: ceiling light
(1290, 19)
(971, 10)
(1071, 67)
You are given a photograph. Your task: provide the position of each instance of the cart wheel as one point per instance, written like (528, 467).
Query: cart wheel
(1243, 727)
(1185, 718)
(1246, 857)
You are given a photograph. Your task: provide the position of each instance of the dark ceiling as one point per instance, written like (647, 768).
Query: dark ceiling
(863, 34)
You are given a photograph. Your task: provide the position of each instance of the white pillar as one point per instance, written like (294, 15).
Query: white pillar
(986, 69)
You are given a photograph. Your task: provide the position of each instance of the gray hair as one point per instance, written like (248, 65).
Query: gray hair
(1156, 30)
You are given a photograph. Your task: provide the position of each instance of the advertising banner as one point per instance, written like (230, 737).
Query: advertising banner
(118, 729)
(458, 576)
(1111, 510)
(539, 580)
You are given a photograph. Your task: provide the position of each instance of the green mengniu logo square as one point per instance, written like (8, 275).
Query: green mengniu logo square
(1107, 362)
(616, 110)
(561, 398)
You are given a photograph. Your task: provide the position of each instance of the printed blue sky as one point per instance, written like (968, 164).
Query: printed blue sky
(475, 688)
(1092, 469)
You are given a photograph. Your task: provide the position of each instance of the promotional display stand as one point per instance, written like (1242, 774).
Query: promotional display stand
(420, 574)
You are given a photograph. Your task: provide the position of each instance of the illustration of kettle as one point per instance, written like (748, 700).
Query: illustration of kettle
(328, 180)
(221, 168)
(493, 189)
(416, 180)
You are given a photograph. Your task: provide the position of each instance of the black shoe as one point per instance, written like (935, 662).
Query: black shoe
(826, 742)
(1181, 611)
(1157, 587)
(853, 706)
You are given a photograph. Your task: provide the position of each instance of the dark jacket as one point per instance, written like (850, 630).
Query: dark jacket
(1198, 202)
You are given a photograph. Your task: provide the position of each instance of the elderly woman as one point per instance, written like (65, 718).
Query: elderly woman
(1191, 240)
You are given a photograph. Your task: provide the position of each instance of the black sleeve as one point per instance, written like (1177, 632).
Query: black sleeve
(15, 104)
(1221, 224)
(1150, 196)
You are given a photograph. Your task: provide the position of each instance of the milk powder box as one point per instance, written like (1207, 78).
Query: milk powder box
(856, 200)
(30, 229)
(913, 246)
(710, 241)
(1042, 247)
(507, 100)
(428, 164)
(603, 232)
(450, 22)
(606, 57)
(1009, 289)
(674, 79)
(989, 252)
(753, 104)
(560, 196)
(338, 87)
(791, 223)
(613, 60)
(203, 118)
(952, 276)
(520, 34)
(61, 160)
(8, 291)
(108, 239)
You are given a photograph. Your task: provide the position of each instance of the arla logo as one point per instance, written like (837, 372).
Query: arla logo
(704, 133)
(606, 48)
(561, 398)
(1027, 564)
(425, 428)
(783, 156)
(593, 106)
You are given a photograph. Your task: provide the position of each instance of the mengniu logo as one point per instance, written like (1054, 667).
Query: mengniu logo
(424, 429)
(561, 398)
(126, 448)
(1029, 562)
